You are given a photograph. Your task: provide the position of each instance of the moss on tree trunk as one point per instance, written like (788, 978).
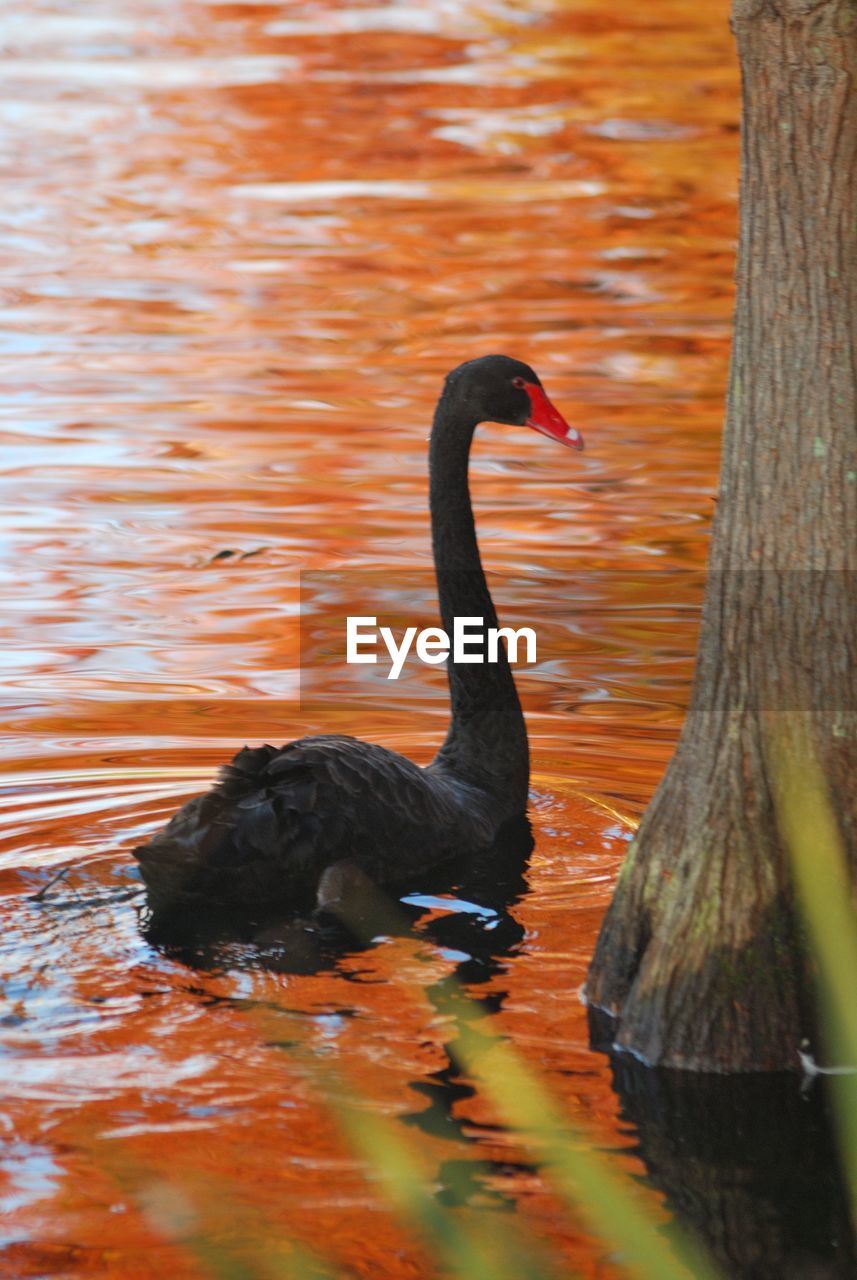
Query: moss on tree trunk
(699, 957)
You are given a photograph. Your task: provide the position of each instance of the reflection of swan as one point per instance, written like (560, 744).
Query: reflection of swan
(474, 924)
(482, 938)
(464, 909)
(330, 810)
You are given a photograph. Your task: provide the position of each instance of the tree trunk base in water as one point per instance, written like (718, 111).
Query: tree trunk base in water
(699, 957)
(698, 960)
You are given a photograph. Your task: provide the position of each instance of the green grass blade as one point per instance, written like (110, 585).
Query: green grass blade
(183, 1213)
(487, 1251)
(588, 1181)
(609, 1200)
(825, 899)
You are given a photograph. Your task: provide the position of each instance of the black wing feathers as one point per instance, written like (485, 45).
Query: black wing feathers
(278, 816)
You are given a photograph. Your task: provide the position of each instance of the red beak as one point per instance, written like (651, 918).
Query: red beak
(545, 418)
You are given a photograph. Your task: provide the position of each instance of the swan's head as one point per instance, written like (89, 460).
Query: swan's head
(500, 389)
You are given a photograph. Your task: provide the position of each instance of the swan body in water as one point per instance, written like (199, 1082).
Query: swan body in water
(284, 824)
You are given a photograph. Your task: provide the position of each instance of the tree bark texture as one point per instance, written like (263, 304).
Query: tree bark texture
(699, 958)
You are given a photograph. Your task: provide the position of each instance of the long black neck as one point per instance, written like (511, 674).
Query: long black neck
(487, 739)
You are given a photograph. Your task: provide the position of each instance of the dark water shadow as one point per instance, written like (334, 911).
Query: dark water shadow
(464, 909)
(484, 942)
(749, 1163)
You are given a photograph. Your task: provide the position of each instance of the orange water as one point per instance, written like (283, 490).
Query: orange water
(241, 244)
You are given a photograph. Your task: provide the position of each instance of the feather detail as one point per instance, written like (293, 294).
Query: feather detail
(277, 817)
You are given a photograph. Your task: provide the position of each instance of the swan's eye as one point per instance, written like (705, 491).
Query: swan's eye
(518, 382)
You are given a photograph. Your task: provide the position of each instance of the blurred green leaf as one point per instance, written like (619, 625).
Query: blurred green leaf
(185, 1214)
(825, 900)
(589, 1182)
(487, 1251)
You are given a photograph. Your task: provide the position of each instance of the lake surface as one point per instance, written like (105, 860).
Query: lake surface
(241, 245)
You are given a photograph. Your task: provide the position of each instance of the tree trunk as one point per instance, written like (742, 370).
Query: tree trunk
(699, 956)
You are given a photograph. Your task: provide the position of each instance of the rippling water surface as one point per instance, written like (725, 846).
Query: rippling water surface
(241, 244)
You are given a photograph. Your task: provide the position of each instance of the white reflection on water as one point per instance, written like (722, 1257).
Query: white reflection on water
(482, 191)
(88, 1077)
(149, 73)
(441, 18)
(29, 1174)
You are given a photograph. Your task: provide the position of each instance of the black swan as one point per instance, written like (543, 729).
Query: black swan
(284, 824)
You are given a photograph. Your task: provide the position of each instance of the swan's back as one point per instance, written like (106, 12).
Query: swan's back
(278, 816)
